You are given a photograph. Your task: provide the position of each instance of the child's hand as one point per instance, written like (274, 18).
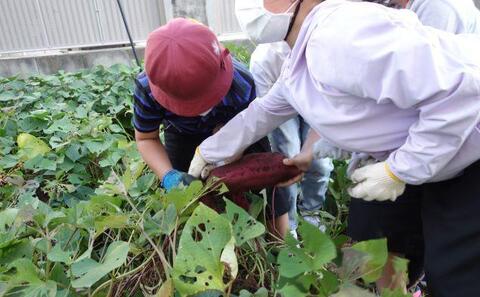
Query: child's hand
(174, 178)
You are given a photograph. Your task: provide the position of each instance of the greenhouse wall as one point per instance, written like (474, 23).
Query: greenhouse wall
(42, 25)
(35, 25)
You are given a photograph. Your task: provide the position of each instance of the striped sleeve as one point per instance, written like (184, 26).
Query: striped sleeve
(148, 114)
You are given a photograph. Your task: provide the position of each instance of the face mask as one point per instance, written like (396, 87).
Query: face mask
(205, 113)
(261, 25)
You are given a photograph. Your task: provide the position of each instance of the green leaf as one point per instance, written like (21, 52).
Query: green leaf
(262, 292)
(22, 249)
(8, 96)
(198, 266)
(58, 255)
(115, 256)
(377, 253)
(8, 161)
(298, 286)
(64, 125)
(58, 274)
(7, 218)
(104, 203)
(31, 146)
(74, 152)
(163, 222)
(39, 163)
(317, 249)
(110, 222)
(182, 198)
(6, 145)
(98, 147)
(142, 185)
(83, 266)
(328, 284)
(244, 226)
(25, 272)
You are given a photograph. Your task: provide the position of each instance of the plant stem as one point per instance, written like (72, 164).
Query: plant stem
(133, 271)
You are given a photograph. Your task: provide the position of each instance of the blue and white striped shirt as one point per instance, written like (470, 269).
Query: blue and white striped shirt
(149, 114)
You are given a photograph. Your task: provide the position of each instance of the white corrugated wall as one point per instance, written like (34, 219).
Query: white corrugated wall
(54, 24)
(221, 16)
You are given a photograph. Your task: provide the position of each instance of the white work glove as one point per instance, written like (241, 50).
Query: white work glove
(376, 182)
(324, 149)
(199, 168)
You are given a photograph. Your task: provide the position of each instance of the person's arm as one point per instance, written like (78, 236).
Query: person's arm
(392, 60)
(266, 65)
(260, 118)
(147, 118)
(439, 14)
(153, 152)
(302, 160)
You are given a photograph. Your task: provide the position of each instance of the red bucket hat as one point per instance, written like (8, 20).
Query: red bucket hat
(189, 71)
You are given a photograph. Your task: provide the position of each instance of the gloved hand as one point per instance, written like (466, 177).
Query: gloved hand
(174, 178)
(324, 149)
(376, 182)
(359, 160)
(199, 168)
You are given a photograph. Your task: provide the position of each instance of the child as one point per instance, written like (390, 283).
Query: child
(192, 86)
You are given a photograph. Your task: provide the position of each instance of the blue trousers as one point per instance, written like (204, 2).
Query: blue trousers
(288, 139)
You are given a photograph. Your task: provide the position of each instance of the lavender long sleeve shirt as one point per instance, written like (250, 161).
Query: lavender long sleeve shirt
(372, 79)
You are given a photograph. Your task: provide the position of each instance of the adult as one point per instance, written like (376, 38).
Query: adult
(367, 219)
(456, 16)
(265, 66)
(192, 86)
(393, 88)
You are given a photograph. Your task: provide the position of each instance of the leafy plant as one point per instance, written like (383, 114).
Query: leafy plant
(81, 215)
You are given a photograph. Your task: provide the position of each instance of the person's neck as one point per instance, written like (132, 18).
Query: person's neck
(306, 7)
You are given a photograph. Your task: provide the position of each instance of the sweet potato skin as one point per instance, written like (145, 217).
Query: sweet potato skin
(255, 172)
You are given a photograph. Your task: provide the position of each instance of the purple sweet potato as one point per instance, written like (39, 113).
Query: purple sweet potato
(255, 172)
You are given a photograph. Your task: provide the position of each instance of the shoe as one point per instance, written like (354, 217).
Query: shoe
(417, 293)
(294, 234)
(315, 220)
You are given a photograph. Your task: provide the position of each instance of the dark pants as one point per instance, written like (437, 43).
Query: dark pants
(446, 215)
(181, 149)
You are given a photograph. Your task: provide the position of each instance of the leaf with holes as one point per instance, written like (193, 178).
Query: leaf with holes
(198, 266)
(244, 226)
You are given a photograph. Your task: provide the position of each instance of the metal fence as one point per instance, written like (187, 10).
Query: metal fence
(221, 16)
(55, 24)
(39, 25)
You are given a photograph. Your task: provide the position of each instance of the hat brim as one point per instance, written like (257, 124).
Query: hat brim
(192, 107)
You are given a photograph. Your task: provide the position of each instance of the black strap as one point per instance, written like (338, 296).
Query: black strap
(297, 9)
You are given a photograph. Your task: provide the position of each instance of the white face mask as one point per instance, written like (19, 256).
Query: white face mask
(261, 25)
